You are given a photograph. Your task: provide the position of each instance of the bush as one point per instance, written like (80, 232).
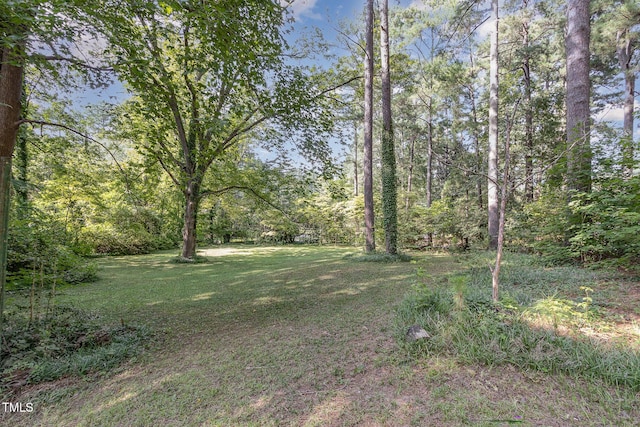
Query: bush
(611, 224)
(37, 251)
(109, 241)
(606, 231)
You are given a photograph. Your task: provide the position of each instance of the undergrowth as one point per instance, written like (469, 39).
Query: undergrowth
(195, 260)
(67, 341)
(537, 325)
(378, 257)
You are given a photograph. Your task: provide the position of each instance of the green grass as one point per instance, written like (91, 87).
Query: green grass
(546, 321)
(294, 336)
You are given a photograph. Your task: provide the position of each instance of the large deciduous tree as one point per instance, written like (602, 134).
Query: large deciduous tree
(206, 76)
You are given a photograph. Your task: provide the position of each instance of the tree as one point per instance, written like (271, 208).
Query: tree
(369, 217)
(578, 97)
(34, 33)
(492, 185)
(616, 24)
(11, 76)
(389, 190)
(207, 76)
(526, 69)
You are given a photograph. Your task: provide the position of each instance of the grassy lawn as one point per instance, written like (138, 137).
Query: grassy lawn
(298, 336)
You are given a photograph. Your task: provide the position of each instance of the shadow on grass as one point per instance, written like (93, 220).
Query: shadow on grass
(230, 320)
(252, 285)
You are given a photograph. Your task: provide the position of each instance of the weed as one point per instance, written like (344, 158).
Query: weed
(67, 342)
(528, 332)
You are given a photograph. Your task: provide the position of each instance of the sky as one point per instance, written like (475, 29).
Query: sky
(324, 15)
(321, 11)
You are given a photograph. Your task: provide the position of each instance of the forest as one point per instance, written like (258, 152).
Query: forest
(488, 146)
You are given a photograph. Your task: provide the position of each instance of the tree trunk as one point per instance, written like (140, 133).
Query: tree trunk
(476, 138)
(11, 75)
(5, 187)
(476, 145)
(369, 219)
(528, 118)
(492, 185)
(429, 180)
(625, 54)
(189, 237)
(412, 148)
(389, 186)
(495, 272)
(356, 184)
(578, 96)
(22, 172)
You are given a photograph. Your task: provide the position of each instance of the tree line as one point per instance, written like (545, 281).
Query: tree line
(429, 101)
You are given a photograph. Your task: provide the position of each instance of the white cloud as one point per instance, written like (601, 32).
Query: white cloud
(613, 113)
(419, 5)
(484, 30)
(301, 8)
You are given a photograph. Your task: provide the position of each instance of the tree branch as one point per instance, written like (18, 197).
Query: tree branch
(338, 86)
(166, 169)
(83, 135)
(74, 61)
(246, 189)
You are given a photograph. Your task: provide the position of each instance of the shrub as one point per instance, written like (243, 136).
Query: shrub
(606, 232)
(611, 224)
(110, 241)
(37, 251)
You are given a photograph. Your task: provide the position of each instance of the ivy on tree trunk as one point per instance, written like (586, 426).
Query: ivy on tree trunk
(389, 190)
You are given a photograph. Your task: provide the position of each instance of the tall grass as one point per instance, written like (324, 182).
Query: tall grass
(536, 326)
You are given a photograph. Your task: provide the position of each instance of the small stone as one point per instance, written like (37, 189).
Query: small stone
(416, 332)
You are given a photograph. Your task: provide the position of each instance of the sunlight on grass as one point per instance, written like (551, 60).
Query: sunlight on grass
(267, 300)
(204, 296)
(552, 312)
(218, 252)
(126, 396)
(329, 411)
(346, 292)
(301, 336)
(155, 303)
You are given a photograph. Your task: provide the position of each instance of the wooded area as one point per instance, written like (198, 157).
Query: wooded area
(135, 175)
(440, 125)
